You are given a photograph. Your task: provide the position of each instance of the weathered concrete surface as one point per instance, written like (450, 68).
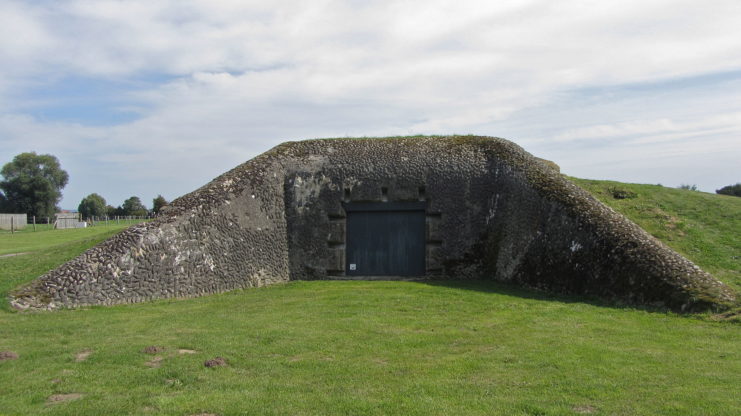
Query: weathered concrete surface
(494, 211)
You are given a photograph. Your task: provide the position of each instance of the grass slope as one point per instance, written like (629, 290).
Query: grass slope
(705, 228)
(380, 347)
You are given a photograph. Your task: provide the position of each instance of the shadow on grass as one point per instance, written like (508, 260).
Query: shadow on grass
(510, 289)
(732, 316)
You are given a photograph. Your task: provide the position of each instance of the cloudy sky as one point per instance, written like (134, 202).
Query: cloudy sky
(159, 97)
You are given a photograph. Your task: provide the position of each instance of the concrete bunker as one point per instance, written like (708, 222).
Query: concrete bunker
(457, 207)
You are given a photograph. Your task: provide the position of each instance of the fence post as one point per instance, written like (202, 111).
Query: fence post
(34, 223)
(12, 223)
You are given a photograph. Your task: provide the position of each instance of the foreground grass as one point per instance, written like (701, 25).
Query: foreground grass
(371, 348)
(705, 228)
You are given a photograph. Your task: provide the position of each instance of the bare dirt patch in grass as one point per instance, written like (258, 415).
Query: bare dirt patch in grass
(14, 254)
(8, 355)
(155, 362)
(59, 398)
(83, 355)
(216, 362)
(153, 349)
(584, 410)
(173, 382)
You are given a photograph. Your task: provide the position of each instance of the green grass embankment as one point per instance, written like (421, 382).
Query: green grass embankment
(705, 228)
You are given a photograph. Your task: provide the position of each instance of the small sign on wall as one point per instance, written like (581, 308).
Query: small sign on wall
(353, 266)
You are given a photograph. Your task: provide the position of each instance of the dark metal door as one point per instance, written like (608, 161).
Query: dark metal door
(385, 242)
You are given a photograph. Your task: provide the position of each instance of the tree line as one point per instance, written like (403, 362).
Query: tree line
(95, 205)
(733, 190)
(32, 184)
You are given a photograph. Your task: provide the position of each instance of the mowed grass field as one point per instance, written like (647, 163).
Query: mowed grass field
(373, 348)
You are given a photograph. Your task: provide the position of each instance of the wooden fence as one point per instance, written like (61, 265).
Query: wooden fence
(16, 222)
(12, 221)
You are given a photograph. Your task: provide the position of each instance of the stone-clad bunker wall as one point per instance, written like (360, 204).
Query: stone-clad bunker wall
(493, 211)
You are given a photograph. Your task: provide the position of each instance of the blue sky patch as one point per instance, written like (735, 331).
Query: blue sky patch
(90, 101)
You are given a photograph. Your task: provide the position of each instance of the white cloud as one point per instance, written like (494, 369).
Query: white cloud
(569, 39)
(242, 76)
(657, 130)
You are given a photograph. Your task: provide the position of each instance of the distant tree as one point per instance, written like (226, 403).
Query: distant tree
(112, 211)
(688, 187)
(733, 190)
(92, 205)
(134, 206)
(33, 184)
(158, 203)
